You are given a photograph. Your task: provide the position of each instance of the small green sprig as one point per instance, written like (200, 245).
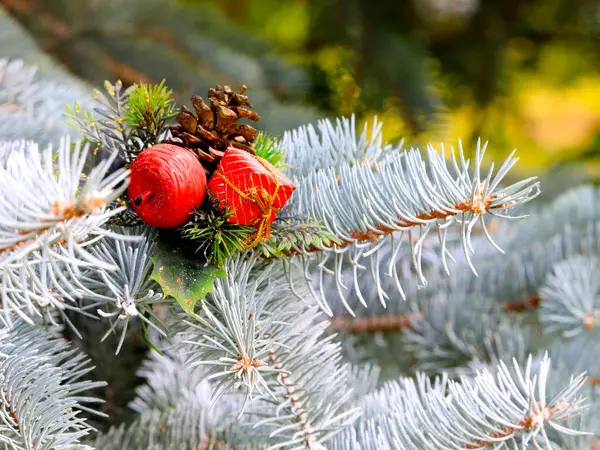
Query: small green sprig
(214, 236)
(268, 147)
(297, 234)
(149, 108)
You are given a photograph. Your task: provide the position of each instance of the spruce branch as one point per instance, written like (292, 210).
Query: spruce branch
(509, 408)
(571, 297)
(332, 146)
(31, 106)
(40, 392)
(254, 335)
(367, 204)
(175, 411)
(460, 332)
(267, 147)
(148, 109)
(212, 234)
(106, 127)
(127, 292)
(46, 229)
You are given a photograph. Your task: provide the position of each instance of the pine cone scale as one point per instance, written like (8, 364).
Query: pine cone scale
(210, 130)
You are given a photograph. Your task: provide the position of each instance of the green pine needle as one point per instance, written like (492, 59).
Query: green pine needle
(150, 106)
(290, 233)
(216, 238)
(267, 147)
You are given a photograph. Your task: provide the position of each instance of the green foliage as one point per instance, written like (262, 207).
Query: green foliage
(267, 147)
(290, 233)
(105, 128)
(215, 237)
(184, 279)
(149, 108)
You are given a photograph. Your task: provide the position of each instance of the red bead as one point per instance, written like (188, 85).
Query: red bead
(167, 183)
(247, 172)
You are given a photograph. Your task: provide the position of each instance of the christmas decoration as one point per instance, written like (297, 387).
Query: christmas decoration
(213, 128)
(252, 189)
(213, 235)
(167, 184)
(148, 109)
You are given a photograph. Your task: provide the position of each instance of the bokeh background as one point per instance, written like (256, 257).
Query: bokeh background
(519, 73)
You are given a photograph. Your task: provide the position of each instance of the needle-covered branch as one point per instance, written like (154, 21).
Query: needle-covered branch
(40, 394)
(365, 203)
(254, 336)
(50, 213)
(510, 407)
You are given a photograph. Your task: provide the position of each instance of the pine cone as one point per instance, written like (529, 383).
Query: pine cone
(212, 129)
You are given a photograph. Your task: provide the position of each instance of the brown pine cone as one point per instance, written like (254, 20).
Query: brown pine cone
(211, 129)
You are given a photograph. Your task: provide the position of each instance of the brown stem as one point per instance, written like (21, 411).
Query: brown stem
(292, 395)
(55, 27)
(11, 412)
(399, 322)
(522, 305)
(528, 422)
(372, 324)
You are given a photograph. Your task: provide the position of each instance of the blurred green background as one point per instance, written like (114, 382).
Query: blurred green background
(520, 73)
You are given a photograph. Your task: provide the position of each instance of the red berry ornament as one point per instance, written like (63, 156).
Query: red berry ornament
(252, 189)
(167, 183)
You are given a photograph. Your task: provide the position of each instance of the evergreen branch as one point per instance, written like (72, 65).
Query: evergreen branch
(127, 292)
(288, 234)
(175, 411)
(363, 204)
(148, 109)
(31, 107)
(46, 229)
(570, 297)
(40, 393)
(106, 127)
(252, 334)
(212, 234)
(180, 428)
(267, 147)
(509, 408)
(398, 322)
(225, 333)
(333, 146)
(461, 332)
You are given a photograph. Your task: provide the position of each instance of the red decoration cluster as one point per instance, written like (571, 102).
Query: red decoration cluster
(250, 187)
(167, 183)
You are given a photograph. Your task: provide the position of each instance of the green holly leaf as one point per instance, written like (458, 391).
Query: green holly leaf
(186, 280)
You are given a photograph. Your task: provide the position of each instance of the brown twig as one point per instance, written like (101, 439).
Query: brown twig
(372, 324)
(398, 322)
(11, 412)
(292, 395)
(522, 305)
(536, 420)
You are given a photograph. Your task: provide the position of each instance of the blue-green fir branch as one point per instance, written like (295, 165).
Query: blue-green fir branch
(256, 338)
(509, 409)
(366, 205)
(41, 391)
(50, 213)
(176, 412)
(332, 146)
(570, 298)
(460, 333)
(31, 107)
(127, 292)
